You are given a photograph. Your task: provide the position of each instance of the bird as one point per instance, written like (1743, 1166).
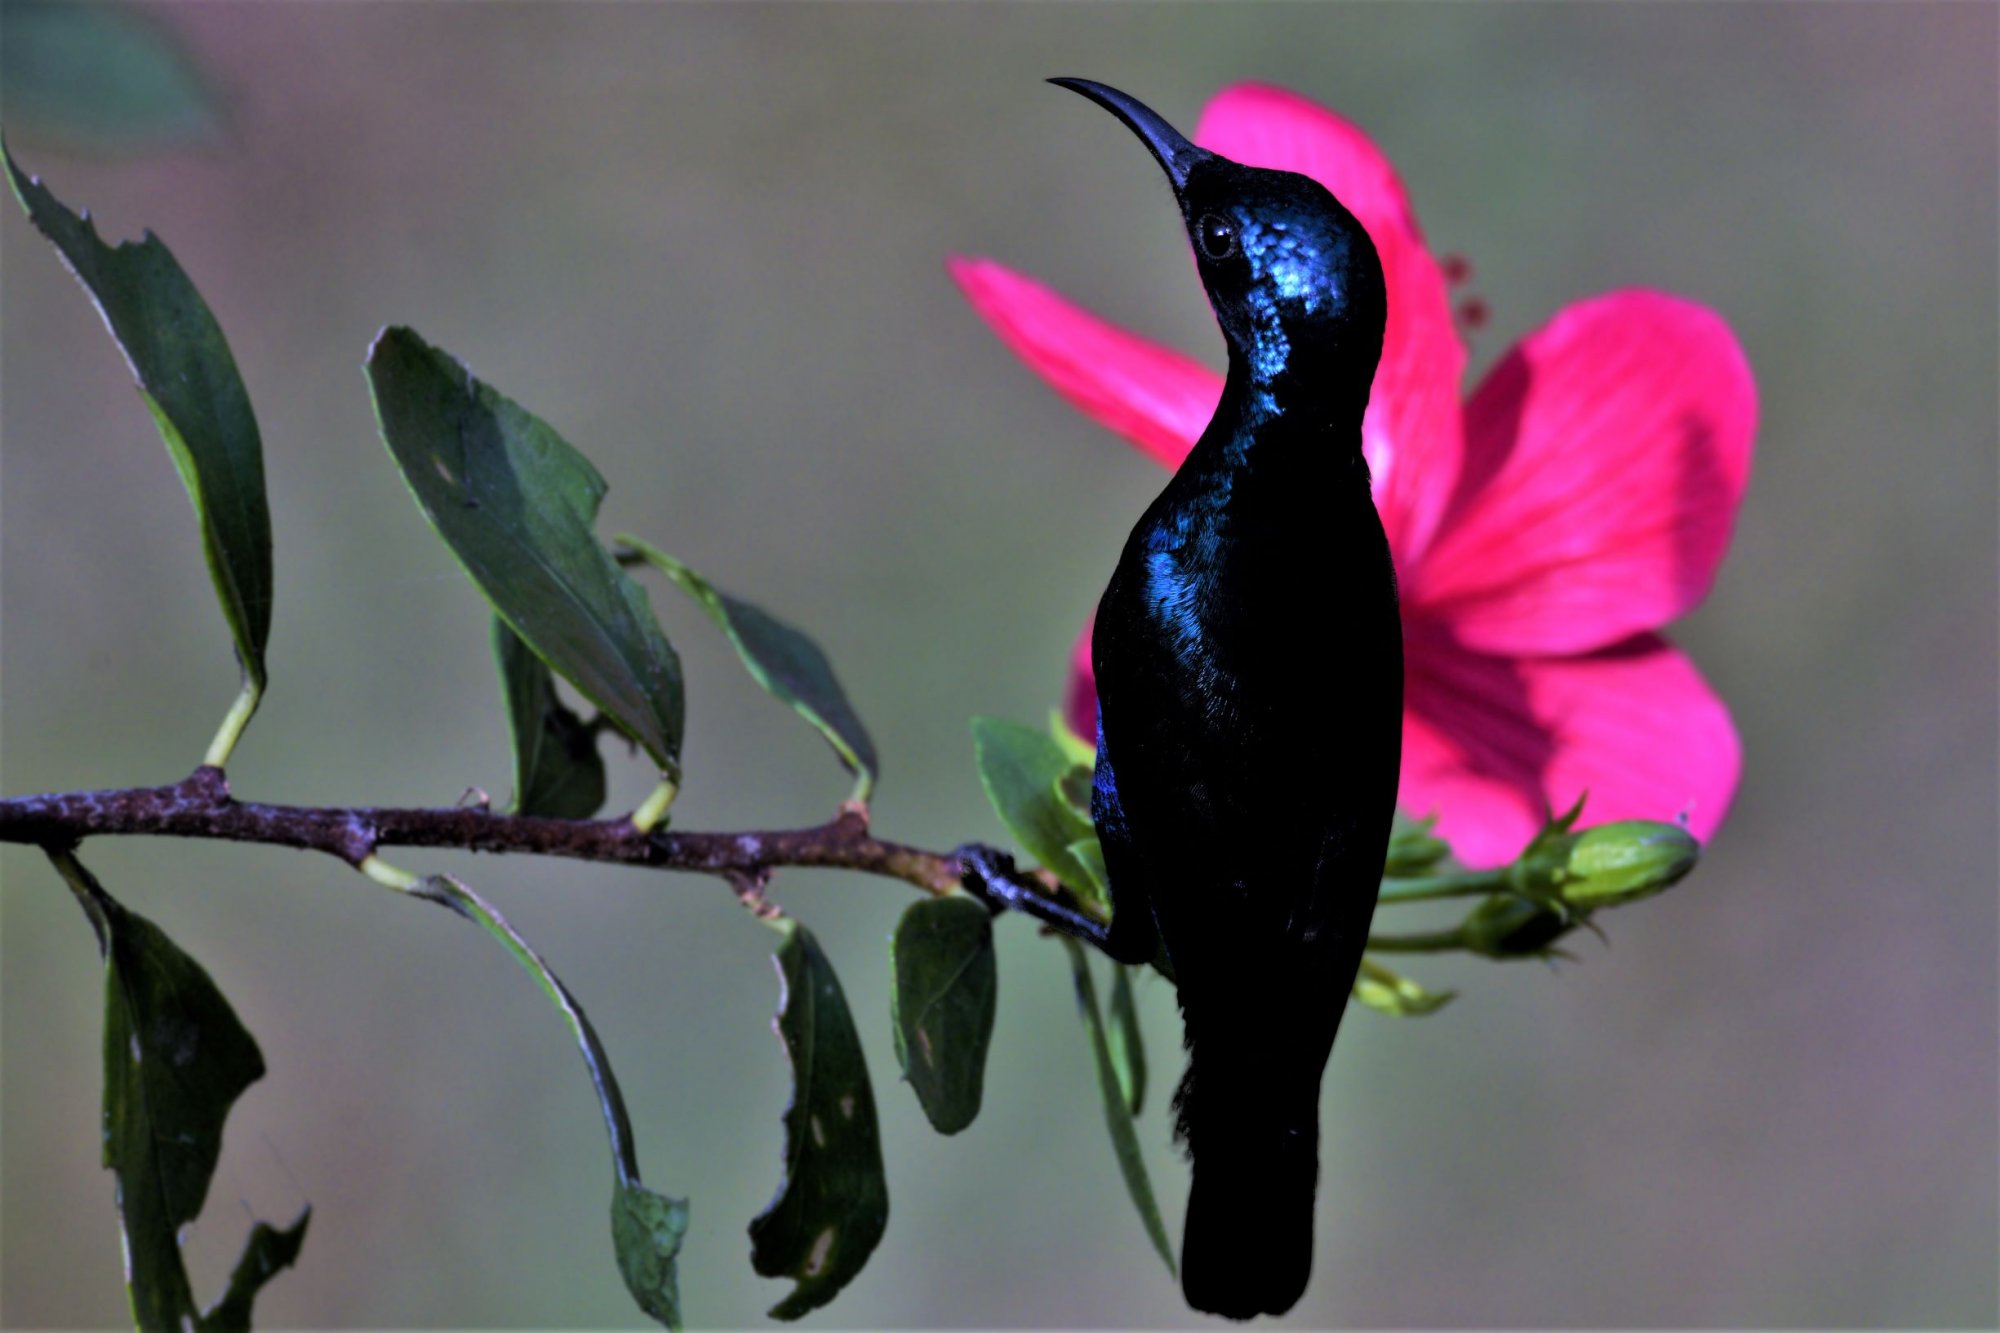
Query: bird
(1249, 662)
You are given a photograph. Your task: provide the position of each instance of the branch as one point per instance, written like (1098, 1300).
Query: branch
(200, 806)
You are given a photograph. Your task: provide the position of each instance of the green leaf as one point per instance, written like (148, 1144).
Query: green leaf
(1117, 1108)
(1073, 790)
(833, 1204)
(517, 506)
(176, 1058)
(789, 666)
(268, 1252)
(1126, 1041)
(1022, 770)
(646, 1228)
(557, 769)
(1088, 854)
(1075, 748)
(942, 1004)
(102, 76)
(189, 382)
(1391, 993)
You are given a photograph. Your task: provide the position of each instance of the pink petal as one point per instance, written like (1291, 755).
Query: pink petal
(1412, 432)
(1080, 696)
(1262, 126)
(1492, 744)
(1158, 399)
(1605, 458)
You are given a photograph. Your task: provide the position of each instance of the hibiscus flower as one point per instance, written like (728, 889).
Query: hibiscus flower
(1543, 529)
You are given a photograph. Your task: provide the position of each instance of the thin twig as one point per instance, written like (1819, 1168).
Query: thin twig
(201, 807)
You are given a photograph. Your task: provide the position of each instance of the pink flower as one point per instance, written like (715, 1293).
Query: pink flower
(1543, 529)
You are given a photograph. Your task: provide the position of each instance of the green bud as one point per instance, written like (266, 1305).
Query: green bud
(1539, 871)
(1561, 878)
(1505, 925)
(1413, 849)
(1614, 864)
(1391, 993)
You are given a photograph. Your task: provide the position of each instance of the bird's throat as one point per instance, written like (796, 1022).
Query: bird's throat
(1296, 426)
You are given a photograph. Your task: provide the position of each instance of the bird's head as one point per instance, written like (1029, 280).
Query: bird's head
(1289, 271)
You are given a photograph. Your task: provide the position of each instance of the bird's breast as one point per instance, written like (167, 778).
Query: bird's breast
(1242, 619)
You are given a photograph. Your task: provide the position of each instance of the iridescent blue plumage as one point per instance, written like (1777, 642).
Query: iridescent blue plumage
(1248, 654)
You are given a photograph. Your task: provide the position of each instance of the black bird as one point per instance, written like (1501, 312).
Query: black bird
(1249, 660)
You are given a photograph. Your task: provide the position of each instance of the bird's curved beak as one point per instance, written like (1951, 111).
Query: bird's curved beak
(1176, 155)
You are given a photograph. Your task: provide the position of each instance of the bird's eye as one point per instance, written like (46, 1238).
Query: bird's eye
(1216, 235)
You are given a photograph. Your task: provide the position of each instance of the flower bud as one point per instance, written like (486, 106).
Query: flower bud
(1506, 925)
(1614, 864)
(1414, 851)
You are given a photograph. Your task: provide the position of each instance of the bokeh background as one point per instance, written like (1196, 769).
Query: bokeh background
(706, 243)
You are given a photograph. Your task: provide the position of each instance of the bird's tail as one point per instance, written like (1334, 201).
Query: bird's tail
(1252, 1127)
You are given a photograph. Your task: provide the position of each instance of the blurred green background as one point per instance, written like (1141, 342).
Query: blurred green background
(706, 243)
